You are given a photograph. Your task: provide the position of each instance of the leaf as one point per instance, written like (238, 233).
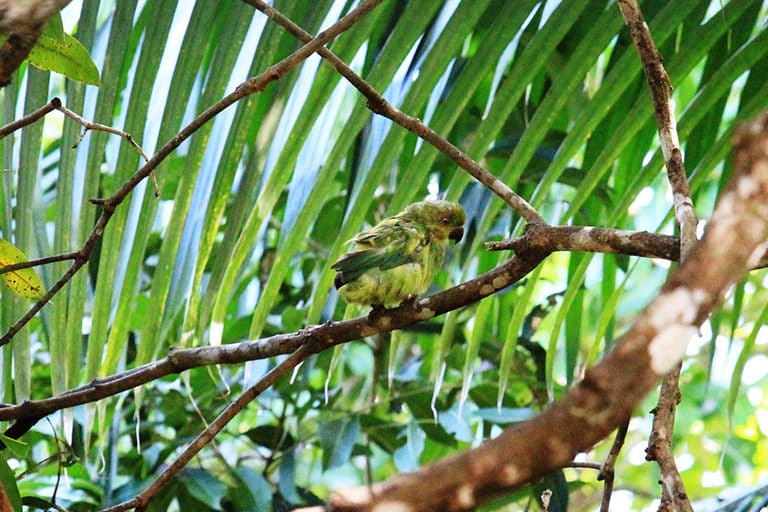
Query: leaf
(67, 57)
(271, 436)
(420, 406)
(406, 457)
(24, 282)
(203, 486)
(337, 439)
(252, 491)
(54, 28)
(286, 473)
(18, 448)
(738, 370)
(8, 481)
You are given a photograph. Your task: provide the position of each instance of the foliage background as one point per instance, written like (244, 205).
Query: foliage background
(256, 206)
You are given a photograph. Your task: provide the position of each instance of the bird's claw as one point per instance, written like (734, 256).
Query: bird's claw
(410, 301)
(375, 314)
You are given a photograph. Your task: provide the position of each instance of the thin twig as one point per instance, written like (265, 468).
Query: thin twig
(673, 495)
(66, 256)
(377, 348)
(55, 104)
(250, 86)
(607, 471)
(584, 465)
(90, 125)
(660, 442)
(378, 105)
(29, 118)
(142, 499)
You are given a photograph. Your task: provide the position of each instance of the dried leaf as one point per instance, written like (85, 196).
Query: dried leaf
(25, 282)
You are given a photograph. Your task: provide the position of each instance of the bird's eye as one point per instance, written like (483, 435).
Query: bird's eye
(445, 221)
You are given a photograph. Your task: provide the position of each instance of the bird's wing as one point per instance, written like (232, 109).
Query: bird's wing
(389, 244)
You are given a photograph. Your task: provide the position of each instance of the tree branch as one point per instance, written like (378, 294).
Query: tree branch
(607, 472)
(24, 22)
(65, 256)
(328, 334)
(250, 86)
(592, 239)
(595, 239)
(141, 500)
(378, 105)
(29, 118)
(55, 104)
(531, 248)
(660, 442)
(90, 125)
(661, 89)
(609, 392)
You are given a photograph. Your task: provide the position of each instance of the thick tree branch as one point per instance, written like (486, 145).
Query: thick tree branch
(595, 239)
(734, 238)
(378, 105)
(660, 442)
(250, 86)
(326, 335)
(23, 22)
(592, 239)
(537, 240)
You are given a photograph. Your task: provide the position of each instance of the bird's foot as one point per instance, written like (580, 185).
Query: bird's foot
(410, 301)
(376, 311)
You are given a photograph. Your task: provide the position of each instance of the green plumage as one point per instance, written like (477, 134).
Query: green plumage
(398, 257)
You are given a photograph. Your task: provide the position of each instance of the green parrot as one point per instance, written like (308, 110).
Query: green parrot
(397, 258)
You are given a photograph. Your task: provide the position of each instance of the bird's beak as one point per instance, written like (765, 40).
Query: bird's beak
(456, 234)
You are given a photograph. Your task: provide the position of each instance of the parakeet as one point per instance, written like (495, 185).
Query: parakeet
(397, 258)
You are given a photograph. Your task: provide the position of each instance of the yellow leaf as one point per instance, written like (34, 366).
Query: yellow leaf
(24, 282)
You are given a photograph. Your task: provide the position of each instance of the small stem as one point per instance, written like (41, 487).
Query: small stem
(74, 255)
(607, 471)
(29, 118)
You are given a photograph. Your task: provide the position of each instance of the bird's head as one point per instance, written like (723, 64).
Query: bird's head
(443, 219)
